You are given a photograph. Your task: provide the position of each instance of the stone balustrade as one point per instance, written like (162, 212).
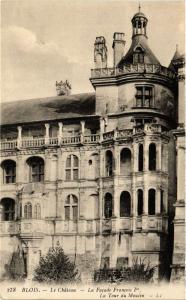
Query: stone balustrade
(157, 223)
(68, 140)
(132, 69)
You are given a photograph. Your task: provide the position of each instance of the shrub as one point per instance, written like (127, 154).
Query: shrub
(15, 270)
(139, 272)
(56, 267)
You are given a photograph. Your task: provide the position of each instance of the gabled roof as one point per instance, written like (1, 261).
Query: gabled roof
(46, 109)
(139, 41)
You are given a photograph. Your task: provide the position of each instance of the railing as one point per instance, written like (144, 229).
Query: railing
(80, 139)
(131, 69)
(107, 225)
(71, 140)
(32, 143)
(53, 141)
(7, 227)
(4, 145)
(148, 128)
(108, 135)
(124, 133)
(91, 138)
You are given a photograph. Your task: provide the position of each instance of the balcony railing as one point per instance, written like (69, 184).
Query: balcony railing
(69, 140)
(81, 139)
(132, 69)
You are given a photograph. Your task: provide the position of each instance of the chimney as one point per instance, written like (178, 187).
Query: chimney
(118, 47)
(100, 52)
(63, 88)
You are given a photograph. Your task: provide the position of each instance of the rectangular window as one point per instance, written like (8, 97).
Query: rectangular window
(144, 96)
(75, 212)
(67, 213)
(75, 174)
(68, 174)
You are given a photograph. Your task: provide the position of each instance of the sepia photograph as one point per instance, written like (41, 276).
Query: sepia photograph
(92, 149)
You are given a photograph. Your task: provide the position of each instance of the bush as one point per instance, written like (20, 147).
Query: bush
(56, 267)
(139, 272)
(15, 270)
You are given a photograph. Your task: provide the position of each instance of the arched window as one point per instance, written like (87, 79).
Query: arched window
(37, 211)
(108, 206)
(138, 56)
(140, 158)
(7, 209)
(140, 202)
(125, 162)
(71, 208)
(125, 204)
(9, 171)
(36, 165)
(152, 157)
(28, 211)
(152, 202)
(108, 163)
(72, 167)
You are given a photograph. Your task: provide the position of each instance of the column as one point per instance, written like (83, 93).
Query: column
(141, 26)
(82, 130)
(60, 132)
(47, 166)
(47, 126)
(102, 128)
(135, 157)
(134, 207)
(159, 155)
(146, 154)
(19, 138)
(145, 209)
(158, 200)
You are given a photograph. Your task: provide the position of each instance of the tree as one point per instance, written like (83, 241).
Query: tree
(56, 267)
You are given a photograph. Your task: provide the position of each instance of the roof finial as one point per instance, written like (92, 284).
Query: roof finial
(139, 7)
(177, 47)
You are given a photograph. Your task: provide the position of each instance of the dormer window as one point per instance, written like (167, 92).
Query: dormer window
(138, 56)
(144, 96)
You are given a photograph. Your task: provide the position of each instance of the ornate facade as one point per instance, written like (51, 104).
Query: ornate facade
(100, 174)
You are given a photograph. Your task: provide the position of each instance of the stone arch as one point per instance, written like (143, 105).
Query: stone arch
(8, 167)
(7, 209)
(108, 163)
(140, 158)
(108, 206)
(152, 157)
(36, 168)
(152, 201)
(125, 161)
(125, 204)
(140, 202)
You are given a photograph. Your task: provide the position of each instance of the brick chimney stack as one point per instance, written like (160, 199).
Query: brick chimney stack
(118, 47)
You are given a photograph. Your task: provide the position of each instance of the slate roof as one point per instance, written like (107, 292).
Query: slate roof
(46, 109)
(139, 40)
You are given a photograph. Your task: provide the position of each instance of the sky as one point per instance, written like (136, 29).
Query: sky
(48, 40)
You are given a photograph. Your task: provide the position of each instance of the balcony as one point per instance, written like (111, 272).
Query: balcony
(149, 128)
(152, 223)
(26, 143)
(8, 228)
(132, 69)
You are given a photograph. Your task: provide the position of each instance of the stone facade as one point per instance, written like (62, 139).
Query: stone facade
(103, 184)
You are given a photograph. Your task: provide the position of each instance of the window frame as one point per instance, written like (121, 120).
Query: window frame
(10, 176)
(142, 97)
(72, 168)
(71, 203)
